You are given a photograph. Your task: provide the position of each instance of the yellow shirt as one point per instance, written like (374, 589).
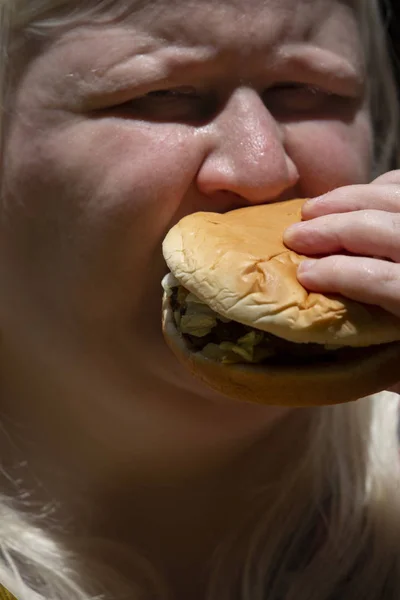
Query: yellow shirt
(5, 594)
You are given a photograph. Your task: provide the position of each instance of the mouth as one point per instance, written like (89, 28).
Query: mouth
(236, 317)
(229, 342)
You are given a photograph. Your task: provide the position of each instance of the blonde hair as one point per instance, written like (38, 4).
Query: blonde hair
(333, 531)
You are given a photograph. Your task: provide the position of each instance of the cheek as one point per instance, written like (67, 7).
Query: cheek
(330, 154)
(88, 208)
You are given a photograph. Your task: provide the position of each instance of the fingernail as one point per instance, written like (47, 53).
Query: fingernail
(292, 230)
(312, 202)
(306, 265)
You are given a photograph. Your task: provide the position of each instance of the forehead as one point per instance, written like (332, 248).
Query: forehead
(122, 39)
(223, 25)
(203, 21)
(291, 16)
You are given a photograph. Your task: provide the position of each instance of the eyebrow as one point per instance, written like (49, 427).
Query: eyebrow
(142, 68)
(315, 60)
(291, 62)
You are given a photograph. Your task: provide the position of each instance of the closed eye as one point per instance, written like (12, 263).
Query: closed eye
(179, 92)
(296, 99)
(181, 104)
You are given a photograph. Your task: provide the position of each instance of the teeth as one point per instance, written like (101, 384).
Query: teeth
(168, 282)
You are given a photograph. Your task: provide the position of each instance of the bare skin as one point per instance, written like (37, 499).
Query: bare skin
(118, 131)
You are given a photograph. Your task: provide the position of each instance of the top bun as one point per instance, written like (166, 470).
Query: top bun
(238, 265)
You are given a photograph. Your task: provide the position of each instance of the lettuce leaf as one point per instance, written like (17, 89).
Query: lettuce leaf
(197, 323)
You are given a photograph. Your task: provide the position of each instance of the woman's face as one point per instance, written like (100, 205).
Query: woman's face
(117, 130)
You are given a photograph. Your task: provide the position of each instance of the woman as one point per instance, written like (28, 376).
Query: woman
(121, 476)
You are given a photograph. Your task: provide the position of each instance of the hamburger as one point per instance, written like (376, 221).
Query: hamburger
(236, 316)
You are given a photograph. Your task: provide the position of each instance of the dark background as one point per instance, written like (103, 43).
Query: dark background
(391, 12)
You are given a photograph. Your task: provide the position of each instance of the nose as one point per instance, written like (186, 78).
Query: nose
(247, 155)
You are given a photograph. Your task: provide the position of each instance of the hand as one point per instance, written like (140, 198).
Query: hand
(359, 227)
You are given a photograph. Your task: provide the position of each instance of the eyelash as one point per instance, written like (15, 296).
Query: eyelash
(298, 97)
(186, 104)
(191, 105)
(174, 93)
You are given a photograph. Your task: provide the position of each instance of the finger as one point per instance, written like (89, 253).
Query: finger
(374, 196)
(369, 233)
(367, 280)
(389, 177)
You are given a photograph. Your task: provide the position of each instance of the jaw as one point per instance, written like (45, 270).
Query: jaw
(365, 372)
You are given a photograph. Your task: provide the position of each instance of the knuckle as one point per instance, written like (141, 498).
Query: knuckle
(396, 223)
(395, 196)
(393, 239)
(388, 276)
(390, 288)
(389, 177)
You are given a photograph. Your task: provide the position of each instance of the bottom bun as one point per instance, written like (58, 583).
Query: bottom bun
(373, 370)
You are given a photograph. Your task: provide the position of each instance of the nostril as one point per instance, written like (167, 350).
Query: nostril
(292, 170)
(247, 157)
(246, 178)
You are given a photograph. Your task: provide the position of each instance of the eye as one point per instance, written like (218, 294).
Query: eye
(295, 98)
(186, 92)
(183, 104)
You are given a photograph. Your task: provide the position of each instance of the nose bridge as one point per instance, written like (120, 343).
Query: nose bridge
(248, 155)
(246, 121)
